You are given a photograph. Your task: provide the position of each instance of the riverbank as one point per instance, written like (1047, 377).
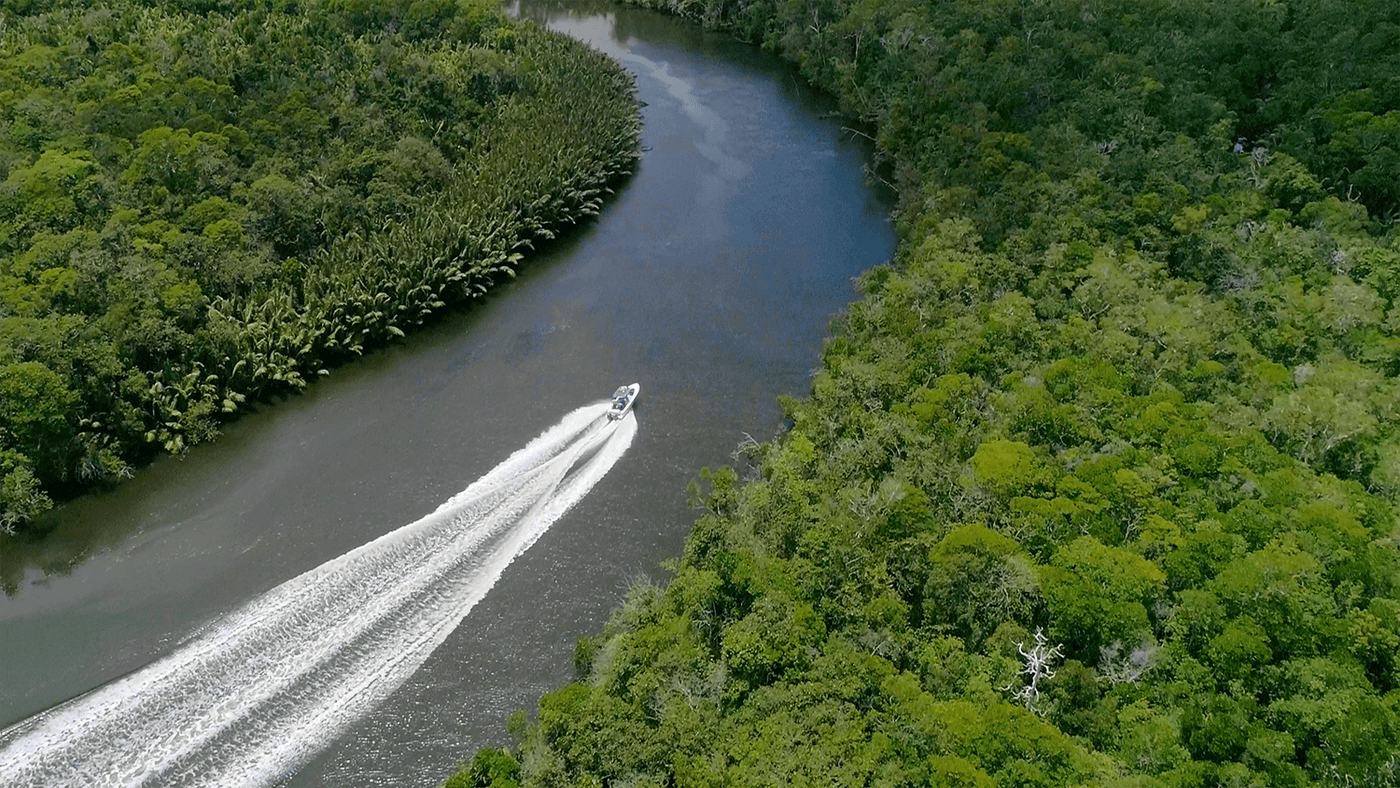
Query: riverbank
(1129, 387)
(186, 233)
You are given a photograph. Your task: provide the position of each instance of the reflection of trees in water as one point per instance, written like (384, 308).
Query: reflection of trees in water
(59, 540)
(660, 30)
(639, 23)
(542, 11)
(539, 10)
(631, 23)
(33, 550)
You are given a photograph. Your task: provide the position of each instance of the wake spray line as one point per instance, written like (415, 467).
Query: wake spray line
(260, 690)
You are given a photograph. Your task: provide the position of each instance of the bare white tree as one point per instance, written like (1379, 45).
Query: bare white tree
(1037, 668)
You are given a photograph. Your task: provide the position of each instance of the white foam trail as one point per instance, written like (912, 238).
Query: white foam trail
(257, 692)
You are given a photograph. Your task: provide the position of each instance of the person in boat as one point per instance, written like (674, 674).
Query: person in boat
(621, 400)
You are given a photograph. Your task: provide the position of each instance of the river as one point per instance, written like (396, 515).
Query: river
(710, 278)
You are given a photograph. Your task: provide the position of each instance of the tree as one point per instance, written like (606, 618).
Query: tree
(35, 407)
(1098, 594)
(54, 193)
(978, 579)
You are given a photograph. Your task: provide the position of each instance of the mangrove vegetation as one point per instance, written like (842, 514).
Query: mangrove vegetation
(206, 203)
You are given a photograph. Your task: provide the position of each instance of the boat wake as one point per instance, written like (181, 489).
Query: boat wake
(259, 691)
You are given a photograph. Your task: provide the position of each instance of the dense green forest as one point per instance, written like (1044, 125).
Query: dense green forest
(208, 202)
(1097, 483)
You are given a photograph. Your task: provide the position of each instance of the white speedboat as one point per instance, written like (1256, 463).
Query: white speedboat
(622, 400)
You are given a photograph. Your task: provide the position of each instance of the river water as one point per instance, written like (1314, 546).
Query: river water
(709, 279)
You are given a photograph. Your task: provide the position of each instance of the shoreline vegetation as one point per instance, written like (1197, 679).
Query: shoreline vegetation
(1097, 484)
(208, 204)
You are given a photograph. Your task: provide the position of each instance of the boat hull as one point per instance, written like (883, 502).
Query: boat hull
(623, 399)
